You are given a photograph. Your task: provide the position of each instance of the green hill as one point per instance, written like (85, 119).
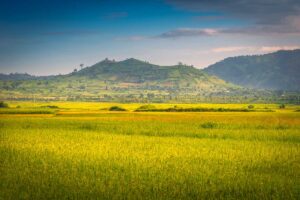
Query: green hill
(108, 80)
(276, 71)
(139, 72)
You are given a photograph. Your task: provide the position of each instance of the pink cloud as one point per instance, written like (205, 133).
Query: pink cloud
(253, 49)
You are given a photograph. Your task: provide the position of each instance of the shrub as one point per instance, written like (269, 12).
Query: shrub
(49, 106)
(3, 104)
(116, 108)
(146, 108)
(251, 107)
(209, 125)
(281, 106)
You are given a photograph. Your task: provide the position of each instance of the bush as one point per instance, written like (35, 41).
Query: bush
(146, 108)
(251, 107)
(3, 104)
(50, 106)
(116, 108)
(281, 106)
(209, 125)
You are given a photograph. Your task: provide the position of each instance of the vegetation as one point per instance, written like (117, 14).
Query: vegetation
(3, 104)
(147, 107)
(116, 108)
(277, 71)
(281, 106)
(132, 80)
(84, 153)
(50, 106)
(251, 107)
(195, 109)
(209, 125)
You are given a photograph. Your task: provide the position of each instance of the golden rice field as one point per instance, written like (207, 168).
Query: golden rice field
(84, 151)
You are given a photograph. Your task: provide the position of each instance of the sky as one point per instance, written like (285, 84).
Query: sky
(45, 37)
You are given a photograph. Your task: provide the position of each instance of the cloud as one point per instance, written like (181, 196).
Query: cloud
(249, 30)
(176, 33)
(188, 32)
(256, 49)
(229, 49)
(277, 48)
(281, 16)
(261, 18)
(263, 11)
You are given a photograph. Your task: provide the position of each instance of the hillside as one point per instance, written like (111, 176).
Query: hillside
(140, 72)
(16, 76)
(276, 71)
(128, 79)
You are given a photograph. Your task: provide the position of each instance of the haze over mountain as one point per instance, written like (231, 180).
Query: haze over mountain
(276, 71)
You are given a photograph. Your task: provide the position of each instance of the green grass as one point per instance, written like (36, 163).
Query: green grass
(137, 155)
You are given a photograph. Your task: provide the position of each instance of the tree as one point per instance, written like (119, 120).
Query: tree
(81, 66)
(3, 104)
(251, 107)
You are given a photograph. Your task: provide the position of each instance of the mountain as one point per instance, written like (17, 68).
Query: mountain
(16, 76)
(129, 78)
(140, 72)
(276, 71)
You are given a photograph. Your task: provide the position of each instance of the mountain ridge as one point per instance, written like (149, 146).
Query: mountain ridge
(276, 71)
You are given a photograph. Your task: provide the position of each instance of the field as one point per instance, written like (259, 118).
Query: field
(67, 150)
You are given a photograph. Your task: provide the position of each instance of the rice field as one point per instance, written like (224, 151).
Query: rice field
(85, 151)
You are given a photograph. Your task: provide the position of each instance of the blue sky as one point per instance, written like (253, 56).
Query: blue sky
(44, 37)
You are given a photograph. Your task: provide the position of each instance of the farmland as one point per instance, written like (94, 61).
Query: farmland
(69, 150)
